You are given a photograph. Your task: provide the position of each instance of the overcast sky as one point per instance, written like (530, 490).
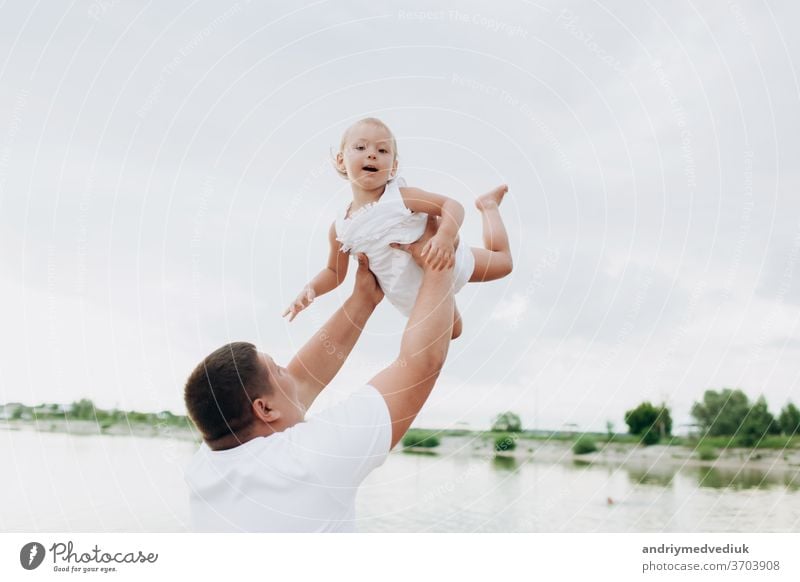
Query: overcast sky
(165, 187)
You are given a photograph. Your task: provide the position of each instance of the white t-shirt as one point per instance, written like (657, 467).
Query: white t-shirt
(303, 479)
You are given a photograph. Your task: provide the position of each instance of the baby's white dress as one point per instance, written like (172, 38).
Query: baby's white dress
(370, 229)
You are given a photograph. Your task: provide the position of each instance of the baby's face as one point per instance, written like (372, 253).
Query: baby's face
(368, 157)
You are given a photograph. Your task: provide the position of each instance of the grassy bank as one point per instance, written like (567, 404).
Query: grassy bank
(90, 420)
(771, 442)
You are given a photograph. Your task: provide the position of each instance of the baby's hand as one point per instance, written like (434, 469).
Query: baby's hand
(440, 252)
(303, 300)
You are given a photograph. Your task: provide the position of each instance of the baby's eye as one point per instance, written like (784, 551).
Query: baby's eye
(359, 147)
(383, 151)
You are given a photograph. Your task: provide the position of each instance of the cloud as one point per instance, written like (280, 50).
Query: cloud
(652, 211)
(512, 311)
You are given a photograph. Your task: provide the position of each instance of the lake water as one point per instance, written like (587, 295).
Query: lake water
(59, 482)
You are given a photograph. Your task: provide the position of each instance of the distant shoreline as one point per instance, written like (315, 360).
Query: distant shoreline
(90, 428)
(481, 444)
(619, 454)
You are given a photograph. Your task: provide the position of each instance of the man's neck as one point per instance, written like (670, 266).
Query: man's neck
(231, 441)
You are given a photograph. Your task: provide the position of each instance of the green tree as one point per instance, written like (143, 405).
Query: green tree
(758, 423)
(83, 409)
(651, 423)
(721, 413)
(507, 422)
(789, 420)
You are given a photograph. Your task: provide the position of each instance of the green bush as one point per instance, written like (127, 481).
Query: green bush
(504, 442)
(584, 444)
(421, 438)
(707, 453)
(774, 442)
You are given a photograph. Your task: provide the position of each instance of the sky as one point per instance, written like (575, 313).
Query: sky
(166, 187)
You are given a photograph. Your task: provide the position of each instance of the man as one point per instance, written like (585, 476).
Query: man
(262, 466)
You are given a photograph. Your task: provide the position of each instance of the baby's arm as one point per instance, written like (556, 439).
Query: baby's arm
(326, 280)
(440, 250)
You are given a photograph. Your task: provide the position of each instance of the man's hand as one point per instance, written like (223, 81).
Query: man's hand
(366, 286)
(415, 249)
(303, 300)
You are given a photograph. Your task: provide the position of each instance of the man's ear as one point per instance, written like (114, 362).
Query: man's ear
(264, 410)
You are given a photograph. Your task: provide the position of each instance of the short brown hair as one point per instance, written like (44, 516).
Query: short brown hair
(220, 391)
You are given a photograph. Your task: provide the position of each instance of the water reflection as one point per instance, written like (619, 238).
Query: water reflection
(503, 463)
(746, 478)
(792, 480)
(423, 452)
(654, 475)
(127, 484)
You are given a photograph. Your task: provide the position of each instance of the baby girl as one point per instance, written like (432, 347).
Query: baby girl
(385, 212)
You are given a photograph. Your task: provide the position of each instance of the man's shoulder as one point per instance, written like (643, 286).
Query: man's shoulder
(364, 407)
(357, 425)
(346, 441)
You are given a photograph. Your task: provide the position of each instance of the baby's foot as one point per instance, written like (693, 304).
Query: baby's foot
(492, 198)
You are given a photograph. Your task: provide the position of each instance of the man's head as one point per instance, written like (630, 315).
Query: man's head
(237, 393)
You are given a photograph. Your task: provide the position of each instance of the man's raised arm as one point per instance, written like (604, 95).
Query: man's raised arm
(321, 358)
(407, 383)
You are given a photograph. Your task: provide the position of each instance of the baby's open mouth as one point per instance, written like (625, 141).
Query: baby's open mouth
(370, 168)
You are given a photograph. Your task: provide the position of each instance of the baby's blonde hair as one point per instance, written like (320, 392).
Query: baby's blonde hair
(370, 120)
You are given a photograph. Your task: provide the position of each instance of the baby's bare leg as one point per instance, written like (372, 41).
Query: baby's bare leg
(457, 323)
(494, 261)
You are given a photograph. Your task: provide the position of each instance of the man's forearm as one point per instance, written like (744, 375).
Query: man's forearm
(345, 326)
(321, 358)
(423, 351)
(427, 334)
